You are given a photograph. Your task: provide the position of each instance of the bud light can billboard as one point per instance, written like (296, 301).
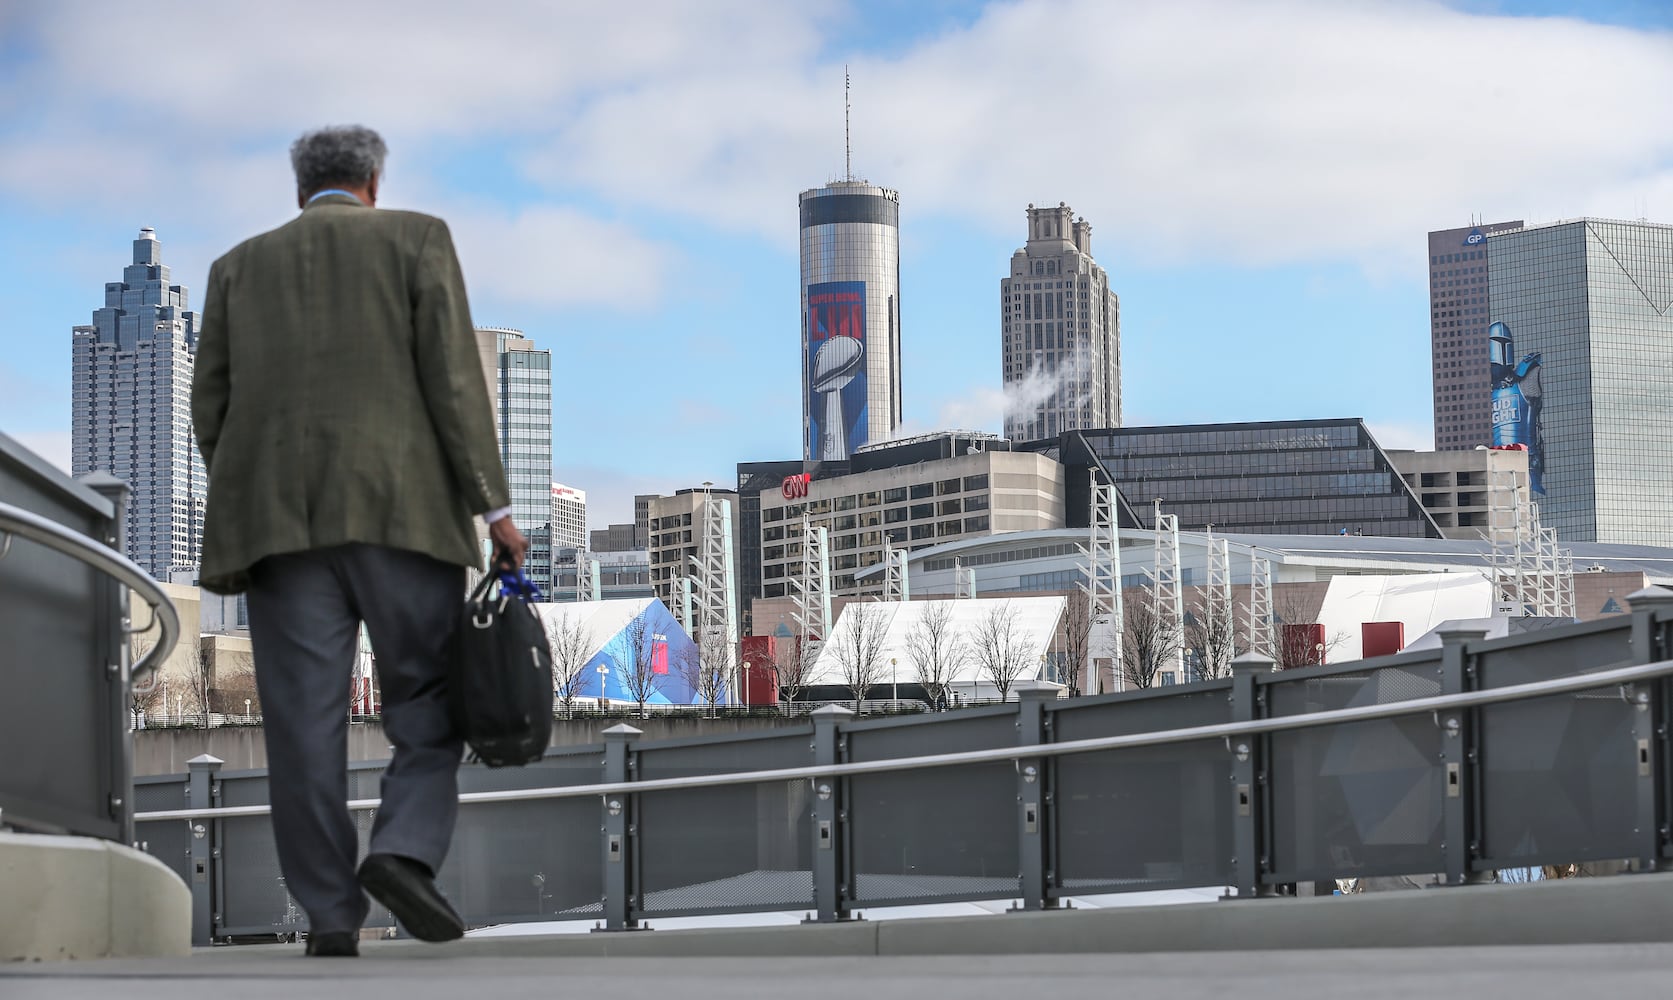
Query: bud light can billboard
(1518, 401)
(836, 360)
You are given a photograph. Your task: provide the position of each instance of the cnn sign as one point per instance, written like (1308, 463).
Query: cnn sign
(795, 487)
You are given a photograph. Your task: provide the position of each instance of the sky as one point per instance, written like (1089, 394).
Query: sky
(621, 181)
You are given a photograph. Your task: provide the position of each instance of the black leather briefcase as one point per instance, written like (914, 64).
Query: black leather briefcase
(500, 674)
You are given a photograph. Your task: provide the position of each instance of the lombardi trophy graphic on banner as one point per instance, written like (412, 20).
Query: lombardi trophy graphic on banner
(834, 366)
(1518, 399)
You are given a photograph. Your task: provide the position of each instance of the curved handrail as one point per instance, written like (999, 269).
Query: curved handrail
(1227, 730)
(41, 530)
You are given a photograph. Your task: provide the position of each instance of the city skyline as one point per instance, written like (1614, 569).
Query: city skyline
(1278, 219)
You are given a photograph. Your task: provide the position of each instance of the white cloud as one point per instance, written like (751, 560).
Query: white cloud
(1213, 129)
(1258, 133)
(555, 255)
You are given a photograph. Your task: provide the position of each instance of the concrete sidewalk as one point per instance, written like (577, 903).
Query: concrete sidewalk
(1544, 939)
(442, 973)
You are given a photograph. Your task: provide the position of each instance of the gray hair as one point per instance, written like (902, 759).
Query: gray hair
(337, 154)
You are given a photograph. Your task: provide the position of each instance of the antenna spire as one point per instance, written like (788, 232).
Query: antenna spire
(847, 135)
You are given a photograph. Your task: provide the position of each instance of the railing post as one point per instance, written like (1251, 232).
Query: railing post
(1460, 761)
(1034, 805)
(112, 617)
(200, 794)
(1248, 775)
(620, 904)
(830, 851)
(1652, 614)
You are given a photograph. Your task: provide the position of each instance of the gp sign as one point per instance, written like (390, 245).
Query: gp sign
(795, 487)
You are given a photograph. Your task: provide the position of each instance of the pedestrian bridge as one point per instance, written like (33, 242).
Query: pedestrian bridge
(1449, 765)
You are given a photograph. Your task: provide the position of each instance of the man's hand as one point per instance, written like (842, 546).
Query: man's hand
(509, 544)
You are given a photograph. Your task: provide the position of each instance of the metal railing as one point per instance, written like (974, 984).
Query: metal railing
(15, 521)
(1619, 676)
(65, 640)
(1452, 762)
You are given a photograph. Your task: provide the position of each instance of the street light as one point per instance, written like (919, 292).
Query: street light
(603, 672)
(894, 682)
(743, 679)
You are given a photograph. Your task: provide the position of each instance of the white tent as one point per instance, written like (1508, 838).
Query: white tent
(1035, 623)
(1420, 601)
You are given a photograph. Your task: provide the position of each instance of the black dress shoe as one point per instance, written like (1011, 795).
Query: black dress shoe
(333, 944)
(409, 890)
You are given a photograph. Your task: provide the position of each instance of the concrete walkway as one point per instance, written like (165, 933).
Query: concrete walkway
(1526, 973)
(1591, 937)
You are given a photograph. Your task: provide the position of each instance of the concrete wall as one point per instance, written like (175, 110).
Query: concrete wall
(166, 751)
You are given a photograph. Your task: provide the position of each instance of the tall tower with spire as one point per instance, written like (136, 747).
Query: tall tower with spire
(850, 298)
(1060, 326)
(132, 409)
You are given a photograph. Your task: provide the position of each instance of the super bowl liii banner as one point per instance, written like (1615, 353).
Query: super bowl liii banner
(836, 359)
(1518, 398)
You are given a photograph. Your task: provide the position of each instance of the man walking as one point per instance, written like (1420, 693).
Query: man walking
(342, 414)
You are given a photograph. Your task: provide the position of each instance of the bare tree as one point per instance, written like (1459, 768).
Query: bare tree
(571, 641)
(1149, 639)
(791, 662)
(1212, 641)
(186, 674)
(1294, 647)
(1077, 639)
(147, 694)
(858, 647)
(1002, 651)
(704, 665)
(936, 649)
(636, 648)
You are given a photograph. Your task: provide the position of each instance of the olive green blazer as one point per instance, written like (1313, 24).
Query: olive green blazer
(339, 396)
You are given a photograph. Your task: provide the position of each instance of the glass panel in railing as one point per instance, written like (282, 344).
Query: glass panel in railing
(937, 833)
(1360, 799)
(728, 847)
(1148, 817)
(1559, 775)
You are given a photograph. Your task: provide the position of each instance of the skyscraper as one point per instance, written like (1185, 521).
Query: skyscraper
(132, 409)
(525, 420)
(1060, 326)
(850, 235)
(1581, 372)
(1458, 320)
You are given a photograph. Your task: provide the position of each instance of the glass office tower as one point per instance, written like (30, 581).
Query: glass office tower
(525, 419)
(850, 295)
(131, 410)
(1582, 315)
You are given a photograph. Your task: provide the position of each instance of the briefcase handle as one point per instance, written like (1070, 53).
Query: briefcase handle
(512, 584)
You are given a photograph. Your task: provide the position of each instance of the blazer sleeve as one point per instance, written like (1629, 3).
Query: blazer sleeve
(211, 369)
(450, 374)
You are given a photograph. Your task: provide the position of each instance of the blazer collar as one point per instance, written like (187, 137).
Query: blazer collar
(334, 199)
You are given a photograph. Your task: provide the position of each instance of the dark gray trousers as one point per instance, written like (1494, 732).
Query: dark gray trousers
(305, 615)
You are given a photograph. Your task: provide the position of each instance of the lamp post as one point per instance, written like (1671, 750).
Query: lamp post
(603, 673)
(246, 710)
(743, 679)
(894, 682)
